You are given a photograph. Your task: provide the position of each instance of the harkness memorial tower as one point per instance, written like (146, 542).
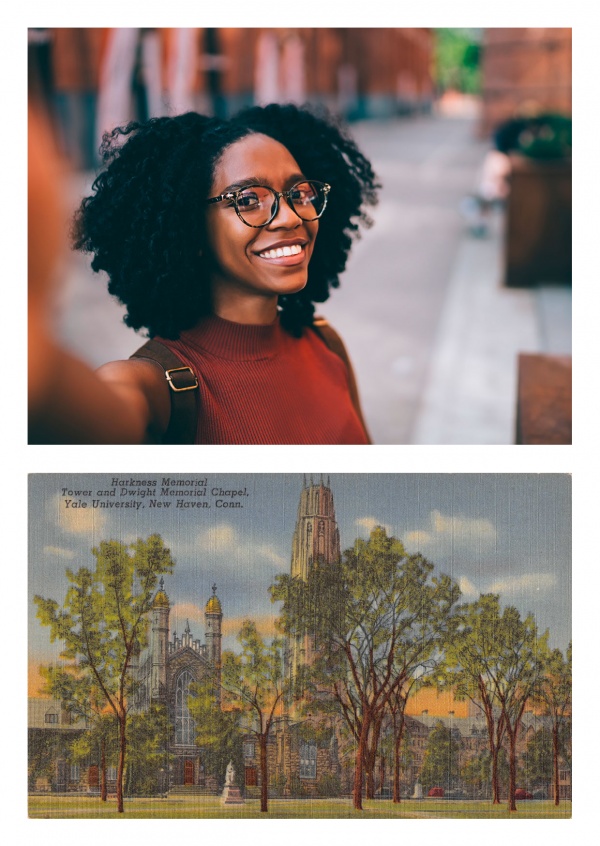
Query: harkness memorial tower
(316, 541)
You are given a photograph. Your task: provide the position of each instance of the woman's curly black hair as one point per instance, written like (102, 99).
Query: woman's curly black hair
(144, 222)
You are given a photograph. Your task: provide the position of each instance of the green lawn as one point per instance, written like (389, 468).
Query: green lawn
(69, 807)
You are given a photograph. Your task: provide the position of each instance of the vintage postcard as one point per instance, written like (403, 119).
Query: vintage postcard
(289, 646)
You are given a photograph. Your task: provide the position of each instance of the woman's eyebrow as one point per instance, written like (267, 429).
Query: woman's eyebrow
(261, 180)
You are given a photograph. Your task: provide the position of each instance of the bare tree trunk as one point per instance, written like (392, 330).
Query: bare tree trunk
(369, 778)
(495, 751)
(512, 771)
(264, 784)
(495, 732)
(370, 759)
(359, 763)
(397, 744)
(103, 787)
(555, 763)
(121, 766)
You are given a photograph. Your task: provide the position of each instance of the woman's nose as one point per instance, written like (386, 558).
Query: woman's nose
(285, 216)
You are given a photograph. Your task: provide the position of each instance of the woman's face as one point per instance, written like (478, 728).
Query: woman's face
(245, 261)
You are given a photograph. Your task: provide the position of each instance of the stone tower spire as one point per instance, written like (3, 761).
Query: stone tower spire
(214, 618)
(316, 536)
(159, 636)
(316, 541)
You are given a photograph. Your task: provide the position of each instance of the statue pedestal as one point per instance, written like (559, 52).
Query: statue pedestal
(231, 795)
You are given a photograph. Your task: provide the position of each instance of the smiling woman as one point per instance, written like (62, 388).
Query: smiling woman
(219, 237)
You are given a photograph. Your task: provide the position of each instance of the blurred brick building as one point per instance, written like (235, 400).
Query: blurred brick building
(92, 80)
(357, 72)
(524, 71)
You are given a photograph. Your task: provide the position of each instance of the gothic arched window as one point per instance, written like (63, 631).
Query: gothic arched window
(308, 759)
(184, 725)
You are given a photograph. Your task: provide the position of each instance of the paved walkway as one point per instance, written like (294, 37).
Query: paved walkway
(469, 395)
(433, 333)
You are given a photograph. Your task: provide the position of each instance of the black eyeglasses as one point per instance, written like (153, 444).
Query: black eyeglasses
(257, 205)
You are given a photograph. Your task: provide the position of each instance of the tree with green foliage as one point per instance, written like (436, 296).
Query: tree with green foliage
(99, 743)
(103, 622)
(82, 699)
(537, 759)
(476, 773)
(43, 750)
(397, 711)
(469, 670)
(515, 673)
(554, 693)
(377, 618)
(218, 732)
(149, 734)
(254, 683)
(495, 659)
(441, 763)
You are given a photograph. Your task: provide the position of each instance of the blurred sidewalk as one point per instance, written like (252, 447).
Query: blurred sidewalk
(469, 395)
(432, 332)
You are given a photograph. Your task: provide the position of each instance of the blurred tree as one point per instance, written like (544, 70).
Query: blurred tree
(457, 60)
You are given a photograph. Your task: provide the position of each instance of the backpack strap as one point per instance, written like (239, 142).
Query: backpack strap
(332, 340)
(183, 384)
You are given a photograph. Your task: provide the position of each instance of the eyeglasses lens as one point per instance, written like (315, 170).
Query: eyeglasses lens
(256, 204)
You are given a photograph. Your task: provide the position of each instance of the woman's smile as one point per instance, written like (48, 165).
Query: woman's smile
(285, 253)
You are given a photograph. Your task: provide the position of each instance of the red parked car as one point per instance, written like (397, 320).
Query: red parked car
(437, 792)
(521, 793)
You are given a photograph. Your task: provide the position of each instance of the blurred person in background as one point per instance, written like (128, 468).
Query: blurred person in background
(219, 237)
(530, 131)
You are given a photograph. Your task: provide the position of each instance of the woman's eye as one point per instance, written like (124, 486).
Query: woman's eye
(248, 200)
(303, 195)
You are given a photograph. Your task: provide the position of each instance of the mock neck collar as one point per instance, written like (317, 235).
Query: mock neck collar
(235, 341)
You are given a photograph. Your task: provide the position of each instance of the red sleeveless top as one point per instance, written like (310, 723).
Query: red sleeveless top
(260, 385)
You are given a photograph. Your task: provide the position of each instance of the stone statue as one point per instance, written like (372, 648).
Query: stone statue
(231, 793)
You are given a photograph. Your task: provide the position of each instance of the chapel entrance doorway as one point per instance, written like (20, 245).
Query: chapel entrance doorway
(188, 772)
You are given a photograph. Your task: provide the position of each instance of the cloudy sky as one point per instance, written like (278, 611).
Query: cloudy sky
(506, 533)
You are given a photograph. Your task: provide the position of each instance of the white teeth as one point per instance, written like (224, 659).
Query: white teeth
(282, 251)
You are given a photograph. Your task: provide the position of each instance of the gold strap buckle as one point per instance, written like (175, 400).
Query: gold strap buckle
(172, 384)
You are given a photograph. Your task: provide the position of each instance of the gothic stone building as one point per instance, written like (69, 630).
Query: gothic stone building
(165, 671)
